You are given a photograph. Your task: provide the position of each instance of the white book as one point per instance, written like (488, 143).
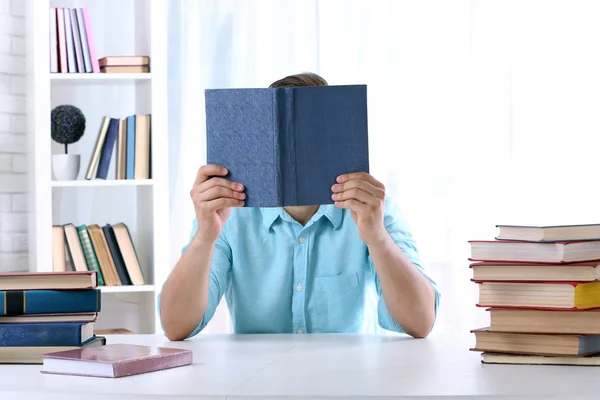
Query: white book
(53, 41)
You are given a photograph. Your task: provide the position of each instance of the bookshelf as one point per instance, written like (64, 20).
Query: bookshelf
(130, 28)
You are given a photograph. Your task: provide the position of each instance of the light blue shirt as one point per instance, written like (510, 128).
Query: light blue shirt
(278, 276)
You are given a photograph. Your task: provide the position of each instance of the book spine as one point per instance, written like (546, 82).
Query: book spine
(130, 146)
(69, 38)
(53, 41)
(77, 41)
(115, 252)
(84, 41)
(62, 41)
(286, 146)
(89, 253)
(45, 334)
(90, 39)
(23, 302)
(107, 149)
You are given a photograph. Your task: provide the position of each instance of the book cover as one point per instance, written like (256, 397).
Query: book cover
(287, 146)
(22, 302)
(115, 360)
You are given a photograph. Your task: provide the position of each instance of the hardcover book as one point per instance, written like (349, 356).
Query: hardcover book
(115, 360)
(287, 146)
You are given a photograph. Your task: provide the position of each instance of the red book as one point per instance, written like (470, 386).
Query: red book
(114, 360)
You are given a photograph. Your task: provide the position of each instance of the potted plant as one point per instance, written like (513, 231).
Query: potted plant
(67, 127)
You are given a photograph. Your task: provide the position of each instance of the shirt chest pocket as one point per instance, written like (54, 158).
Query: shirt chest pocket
(338, 303)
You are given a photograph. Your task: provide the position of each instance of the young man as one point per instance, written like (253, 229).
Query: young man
(297, 269)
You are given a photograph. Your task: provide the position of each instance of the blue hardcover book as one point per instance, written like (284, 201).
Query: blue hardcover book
(287, 146)
(20, 302)
(130, 147)
(46, 334)
(108, 148)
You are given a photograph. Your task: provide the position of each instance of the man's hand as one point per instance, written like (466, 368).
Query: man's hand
(213, 199)
(364, 196)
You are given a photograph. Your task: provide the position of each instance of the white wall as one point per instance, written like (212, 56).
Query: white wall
(13, 202)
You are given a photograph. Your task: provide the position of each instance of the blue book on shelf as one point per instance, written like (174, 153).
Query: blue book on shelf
(130, 164)
(108, 148)
(46, 334)
(20, 302)
(288, 145)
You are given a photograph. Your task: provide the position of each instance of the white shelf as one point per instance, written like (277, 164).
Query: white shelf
(103, 183)
(127, 289)
(143, 205)
(100, 77)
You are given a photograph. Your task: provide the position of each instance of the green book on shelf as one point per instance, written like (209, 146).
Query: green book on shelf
(89, 253)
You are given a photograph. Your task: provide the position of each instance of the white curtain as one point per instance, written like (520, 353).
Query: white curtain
(480, 112)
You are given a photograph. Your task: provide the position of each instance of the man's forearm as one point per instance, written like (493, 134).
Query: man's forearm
(408, 295)
(184, 297)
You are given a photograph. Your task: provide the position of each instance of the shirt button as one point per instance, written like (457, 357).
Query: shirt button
(300, 331)
(299, 287)
(301, 240)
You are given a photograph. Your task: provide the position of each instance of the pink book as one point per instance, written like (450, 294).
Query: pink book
(90, 39)
(114, 360)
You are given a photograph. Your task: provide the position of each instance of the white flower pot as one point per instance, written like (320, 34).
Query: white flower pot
(66, 166)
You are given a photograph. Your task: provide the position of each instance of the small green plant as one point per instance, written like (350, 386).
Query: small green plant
(67, 125)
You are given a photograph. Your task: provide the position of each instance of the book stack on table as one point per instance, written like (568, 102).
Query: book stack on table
(541, 287)
(47, 312)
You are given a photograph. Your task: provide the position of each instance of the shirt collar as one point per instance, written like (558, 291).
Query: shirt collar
(332, 213)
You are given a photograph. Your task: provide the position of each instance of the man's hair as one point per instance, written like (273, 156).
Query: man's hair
(303, 79)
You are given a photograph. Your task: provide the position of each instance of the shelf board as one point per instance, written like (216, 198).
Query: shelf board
(103, 183)
(100, 77)
(126, 289)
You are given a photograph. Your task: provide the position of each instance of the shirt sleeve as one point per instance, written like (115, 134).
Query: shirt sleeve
(220, 274)
(399, 231)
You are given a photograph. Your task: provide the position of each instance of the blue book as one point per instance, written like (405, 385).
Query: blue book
(108, 148)
(21, 302)
(287, 146)
(46, 334)
(130, 164)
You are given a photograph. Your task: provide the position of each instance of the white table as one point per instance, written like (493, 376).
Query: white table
(315, 367)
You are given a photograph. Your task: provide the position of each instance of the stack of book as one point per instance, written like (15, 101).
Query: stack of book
(108, 251)
(129, 140)
(124, 64)
(46, 312)
(541, 287)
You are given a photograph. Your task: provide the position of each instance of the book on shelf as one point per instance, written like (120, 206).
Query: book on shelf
(125, 64)
(108, 250)
(287, 146)
(72, 44)
(128, 140)
(541, 289)
(45, 312)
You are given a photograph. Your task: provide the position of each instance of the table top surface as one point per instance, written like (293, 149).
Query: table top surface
(315, 367)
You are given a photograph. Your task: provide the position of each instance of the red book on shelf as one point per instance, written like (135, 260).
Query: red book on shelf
(114, 360)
